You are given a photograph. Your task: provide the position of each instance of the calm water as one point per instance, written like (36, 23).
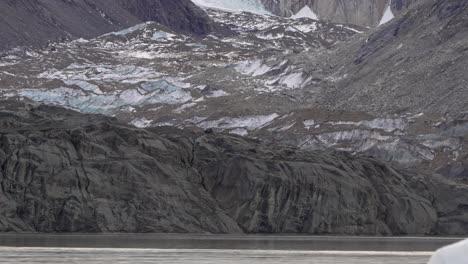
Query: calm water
(207, 249)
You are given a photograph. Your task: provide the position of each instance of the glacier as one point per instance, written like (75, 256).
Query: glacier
(252, 6)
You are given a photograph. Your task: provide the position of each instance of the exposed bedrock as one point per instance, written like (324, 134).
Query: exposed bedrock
(62, 171)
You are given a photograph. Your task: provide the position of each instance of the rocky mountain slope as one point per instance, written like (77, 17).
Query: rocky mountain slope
(37, 22)
(62, 171)
(416, 63)
(297, 82)
(367, 13)
(147, 66)
(317, 86)
(410, 74)
(398, 93)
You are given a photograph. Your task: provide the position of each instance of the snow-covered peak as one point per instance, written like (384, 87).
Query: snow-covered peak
(253, 6)
(388, 15)
(307, 12)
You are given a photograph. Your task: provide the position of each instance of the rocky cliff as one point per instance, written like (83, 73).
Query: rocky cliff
(37, 22)
(65, 171)
(366, 13)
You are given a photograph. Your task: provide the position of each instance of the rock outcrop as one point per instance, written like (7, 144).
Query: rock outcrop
(62, 171)
(37, 22)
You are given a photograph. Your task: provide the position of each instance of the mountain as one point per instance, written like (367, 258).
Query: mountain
(63, 171)
(366, 13)
(38, 22)
(307, 83)
(268, 127)
(409, 74)
(149, 65)
(181, 15)
(415, 63)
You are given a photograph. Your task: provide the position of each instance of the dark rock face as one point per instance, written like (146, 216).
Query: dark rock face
(64, 171)
(36, 22)
(179, 15)
(74, 173)
(415, 63)
(294, 192)
(400, 6)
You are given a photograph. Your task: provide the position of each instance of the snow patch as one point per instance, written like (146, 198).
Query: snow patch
(183, 107)
(385, 124)
(350, 28)
(141, 122)
(309, 123)
(270, 36)
(356, 135)
(307, 28)
(162, 35)
(305, 12)
(141, 54)
(248, 122)
(217, 93)
(388, 15)
(293, 80)
(239, 131)
(254, 68)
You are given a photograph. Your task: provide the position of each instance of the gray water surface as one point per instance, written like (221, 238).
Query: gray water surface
(207, 249)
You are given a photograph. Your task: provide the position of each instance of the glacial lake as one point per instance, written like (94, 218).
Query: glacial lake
(222, 249)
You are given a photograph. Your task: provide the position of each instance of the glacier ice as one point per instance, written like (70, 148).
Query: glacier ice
(249, 122)
(159, 92)
(128, 30)
(252, 6)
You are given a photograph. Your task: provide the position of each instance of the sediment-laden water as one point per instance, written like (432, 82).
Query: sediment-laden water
(207, 249)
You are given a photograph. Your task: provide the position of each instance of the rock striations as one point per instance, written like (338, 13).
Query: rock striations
(62, 171)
